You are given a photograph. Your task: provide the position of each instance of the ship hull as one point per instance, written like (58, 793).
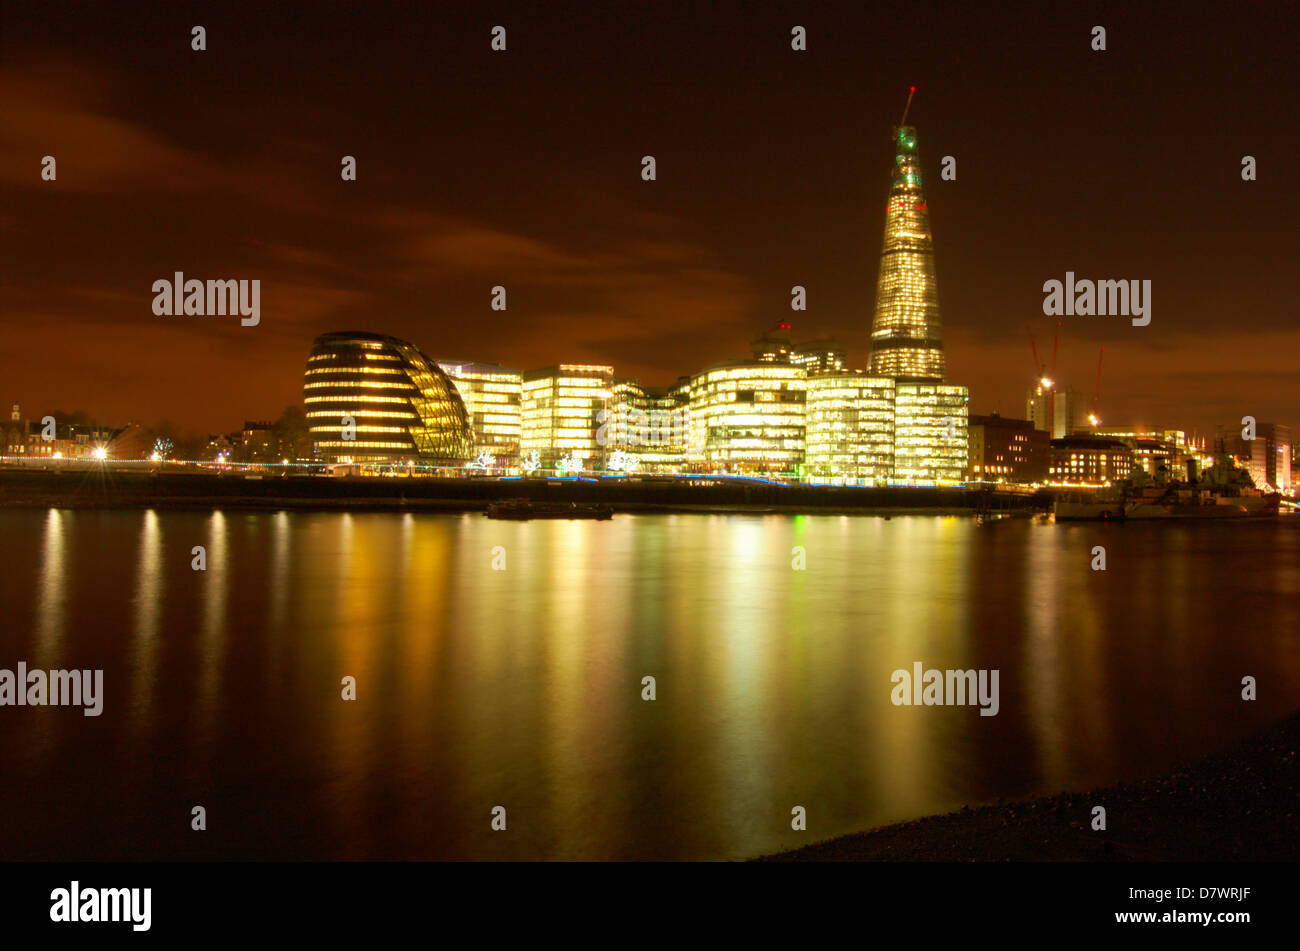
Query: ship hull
(1141, 510)
(1088, 511)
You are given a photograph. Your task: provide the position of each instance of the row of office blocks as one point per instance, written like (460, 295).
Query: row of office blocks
(377, 400)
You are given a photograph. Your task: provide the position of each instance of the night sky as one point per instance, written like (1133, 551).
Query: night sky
(522, 168)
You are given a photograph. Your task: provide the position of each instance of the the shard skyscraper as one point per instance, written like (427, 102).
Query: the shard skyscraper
(905, 330)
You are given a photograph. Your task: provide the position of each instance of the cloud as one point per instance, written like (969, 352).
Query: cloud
(48, 113)
(615, 284)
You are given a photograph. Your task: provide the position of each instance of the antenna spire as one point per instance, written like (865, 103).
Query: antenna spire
(910, 93)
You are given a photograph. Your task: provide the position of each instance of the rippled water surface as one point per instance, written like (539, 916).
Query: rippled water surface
(522, 687)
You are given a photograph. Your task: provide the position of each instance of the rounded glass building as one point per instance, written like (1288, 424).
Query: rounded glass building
(376, 399)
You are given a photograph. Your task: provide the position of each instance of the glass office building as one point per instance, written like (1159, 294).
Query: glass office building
(624, 420)
(559, 417)
(667, 429)
(850, 429)
(930, 439)
(644, 429)
(493, 398)
(747, 417)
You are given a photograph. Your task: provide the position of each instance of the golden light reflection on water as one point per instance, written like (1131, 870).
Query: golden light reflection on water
(1042, 670)
(150, 586)
(52, 595)
(746, 634)
(279, 584)
(522, 687)
(423, 580)
(214, 631)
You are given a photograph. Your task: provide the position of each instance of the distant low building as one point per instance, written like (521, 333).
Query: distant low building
(255, 442)
(219, 447)
(45, 438)
(1006, 450)
(1058, 412)
(132, 441)
(13, 434)
(1159, 453)
(1088, 460)
(822, 355)
(1268, 457)
(775, 345)
(818, 355)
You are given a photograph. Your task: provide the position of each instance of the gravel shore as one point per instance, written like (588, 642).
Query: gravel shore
(1240, 804)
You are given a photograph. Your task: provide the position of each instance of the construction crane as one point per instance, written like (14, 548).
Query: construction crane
(1056, 342)
(1045, 377)
(1040, 369)
(1093, 418)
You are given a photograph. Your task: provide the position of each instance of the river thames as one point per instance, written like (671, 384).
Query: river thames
(501, 664)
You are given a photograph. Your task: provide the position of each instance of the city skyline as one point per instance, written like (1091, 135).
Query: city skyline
(655, 278)
(639, 432)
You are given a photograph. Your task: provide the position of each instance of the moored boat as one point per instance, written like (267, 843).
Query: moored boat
(524, 509)
(1165, 502)
(1094, 510)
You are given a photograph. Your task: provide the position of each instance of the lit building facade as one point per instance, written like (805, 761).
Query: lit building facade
(1088, 460)
(1282, 454)
(493, 398)
(823, 355)
(1006, 450)
(663, 450)
(1268, 457)
(930, 442)
(774, 346)
(624, 420)
(559, 418)
(747, 417)
(644, 430)
(21, 437)
(376, 399)
(819, 355)
(1156, 458)
(905, 330)
(13, 434)
(1157, 452)
(69, 442)
(849, 429)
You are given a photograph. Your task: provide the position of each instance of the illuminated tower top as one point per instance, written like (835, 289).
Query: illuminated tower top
(905, 331)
